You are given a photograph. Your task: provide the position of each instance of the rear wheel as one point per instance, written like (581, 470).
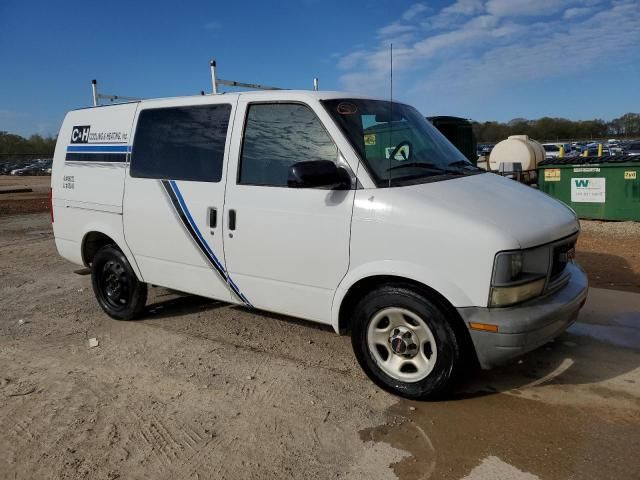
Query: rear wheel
(116, 286)
(404, 342)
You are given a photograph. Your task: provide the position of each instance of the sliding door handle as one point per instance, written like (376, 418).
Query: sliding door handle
(213, 217)
(232, 219)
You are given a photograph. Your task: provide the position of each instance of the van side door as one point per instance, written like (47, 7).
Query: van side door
(174, 194)
(287, 249)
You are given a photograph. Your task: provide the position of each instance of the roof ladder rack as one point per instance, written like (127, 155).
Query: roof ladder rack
(103, 96)
(215, 82)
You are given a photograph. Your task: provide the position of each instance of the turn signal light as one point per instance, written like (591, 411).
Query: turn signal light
(487, 327)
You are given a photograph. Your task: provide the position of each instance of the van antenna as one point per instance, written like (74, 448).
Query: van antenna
(390, 109)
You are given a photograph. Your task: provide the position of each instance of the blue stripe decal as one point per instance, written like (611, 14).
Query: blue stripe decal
(185, 209)
(176, 190)
(99, 148)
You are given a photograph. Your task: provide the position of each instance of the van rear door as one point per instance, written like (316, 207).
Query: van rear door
(174, 194)
(90, 159)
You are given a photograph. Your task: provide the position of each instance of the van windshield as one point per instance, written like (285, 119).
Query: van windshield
(398, 145)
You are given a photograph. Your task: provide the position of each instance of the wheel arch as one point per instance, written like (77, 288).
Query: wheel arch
(92, 242)
(366, 284)
(96, 238)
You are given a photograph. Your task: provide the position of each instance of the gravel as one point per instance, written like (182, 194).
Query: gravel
(622, 229)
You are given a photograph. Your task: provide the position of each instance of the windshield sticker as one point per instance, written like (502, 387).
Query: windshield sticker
(347, 108)
(370, 139)
(401, 155)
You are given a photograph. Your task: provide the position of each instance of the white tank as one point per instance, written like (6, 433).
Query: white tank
(516, 149)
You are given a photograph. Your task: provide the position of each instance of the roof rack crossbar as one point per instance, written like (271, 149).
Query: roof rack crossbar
(104, 96)
(255, 86)
(215, 82)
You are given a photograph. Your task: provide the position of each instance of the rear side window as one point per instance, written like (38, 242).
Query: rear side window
(181, 143)
(278, 135)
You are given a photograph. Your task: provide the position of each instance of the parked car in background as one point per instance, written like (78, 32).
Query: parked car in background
(632, 148)
(39, 166)
(592, 150)
(552, 150)
(484, 149)
(614, 146)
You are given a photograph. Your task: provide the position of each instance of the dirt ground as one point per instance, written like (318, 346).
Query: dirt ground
(610, 253)
(29, 202)
(200, 389)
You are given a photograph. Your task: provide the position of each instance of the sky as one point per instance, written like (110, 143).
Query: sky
(478, 59)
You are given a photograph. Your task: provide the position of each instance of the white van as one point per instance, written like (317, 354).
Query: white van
(343, 210)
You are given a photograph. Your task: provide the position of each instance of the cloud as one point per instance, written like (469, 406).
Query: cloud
(414, 10)
(464, 7)
(453, 13)
(576, 12)
(395, 28)
(504, 8)
(479, 50)
(586, 44)
(475, 29)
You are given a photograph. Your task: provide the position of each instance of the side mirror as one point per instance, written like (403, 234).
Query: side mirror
(318, 174)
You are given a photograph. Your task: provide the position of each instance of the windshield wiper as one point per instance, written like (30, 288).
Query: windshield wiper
(429, 166)
(464, 164)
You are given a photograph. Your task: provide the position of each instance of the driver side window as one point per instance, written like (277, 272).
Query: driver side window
(278, 135)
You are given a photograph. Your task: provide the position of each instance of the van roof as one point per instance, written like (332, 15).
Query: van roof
(319, 95)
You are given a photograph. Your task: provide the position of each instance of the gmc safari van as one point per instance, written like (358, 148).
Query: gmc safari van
(342, 210)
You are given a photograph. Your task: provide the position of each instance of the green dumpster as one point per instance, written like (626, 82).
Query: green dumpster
(601, 188)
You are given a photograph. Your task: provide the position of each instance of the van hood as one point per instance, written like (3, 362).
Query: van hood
(527, 215)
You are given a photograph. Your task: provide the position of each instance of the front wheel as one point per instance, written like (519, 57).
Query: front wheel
(404, 342)
(116, 286)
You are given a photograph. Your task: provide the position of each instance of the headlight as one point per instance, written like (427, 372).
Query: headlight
(503, 296)
(517, 276)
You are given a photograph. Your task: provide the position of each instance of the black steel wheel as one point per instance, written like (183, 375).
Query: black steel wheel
(118, 291)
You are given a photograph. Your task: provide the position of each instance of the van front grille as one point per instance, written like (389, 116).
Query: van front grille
(562, 254)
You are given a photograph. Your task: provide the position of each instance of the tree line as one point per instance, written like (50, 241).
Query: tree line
(34, 145)
(556, 129)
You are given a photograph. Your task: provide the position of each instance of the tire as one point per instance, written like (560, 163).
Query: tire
(115, 285)
(421, 364)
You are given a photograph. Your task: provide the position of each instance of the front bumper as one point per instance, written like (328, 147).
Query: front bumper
(527, 326)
